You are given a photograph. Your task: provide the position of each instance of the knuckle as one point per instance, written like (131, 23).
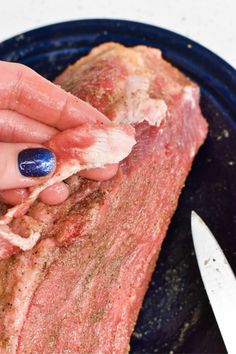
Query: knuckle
(4, 173)
(18, 87)
(62, 112)
(8, 126)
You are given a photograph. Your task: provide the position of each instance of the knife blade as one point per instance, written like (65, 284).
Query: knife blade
(218, 279)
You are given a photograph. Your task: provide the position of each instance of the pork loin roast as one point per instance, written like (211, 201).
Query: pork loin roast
(80, 288)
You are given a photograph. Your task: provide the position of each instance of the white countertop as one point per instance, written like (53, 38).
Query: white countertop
(209, 22)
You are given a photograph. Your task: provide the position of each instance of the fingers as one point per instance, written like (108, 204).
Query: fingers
(59, 192)
(26, 92)
(100, 174)
(14, 196)
(16, 128)
(55, 194)
(24, 165)
(52, 195)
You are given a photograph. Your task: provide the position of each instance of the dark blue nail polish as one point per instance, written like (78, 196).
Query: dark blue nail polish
(36, 162)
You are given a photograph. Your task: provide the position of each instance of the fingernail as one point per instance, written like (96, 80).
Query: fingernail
(36, 162)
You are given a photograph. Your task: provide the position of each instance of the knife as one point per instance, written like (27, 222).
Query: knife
(218, 278)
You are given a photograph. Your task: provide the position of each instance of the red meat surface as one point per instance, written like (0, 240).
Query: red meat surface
(80, 288)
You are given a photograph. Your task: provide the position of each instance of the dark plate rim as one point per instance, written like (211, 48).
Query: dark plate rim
(36, 32)
(218, 75)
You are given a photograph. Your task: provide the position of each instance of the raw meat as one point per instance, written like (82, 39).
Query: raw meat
(79, 290)
(88, 146)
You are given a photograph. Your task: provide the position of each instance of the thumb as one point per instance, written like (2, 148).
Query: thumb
(24, 165)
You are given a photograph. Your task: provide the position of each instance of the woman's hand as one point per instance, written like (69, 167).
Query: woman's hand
(32, 110)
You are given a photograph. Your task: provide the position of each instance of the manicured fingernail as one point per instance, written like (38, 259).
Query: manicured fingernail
(36, 162)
